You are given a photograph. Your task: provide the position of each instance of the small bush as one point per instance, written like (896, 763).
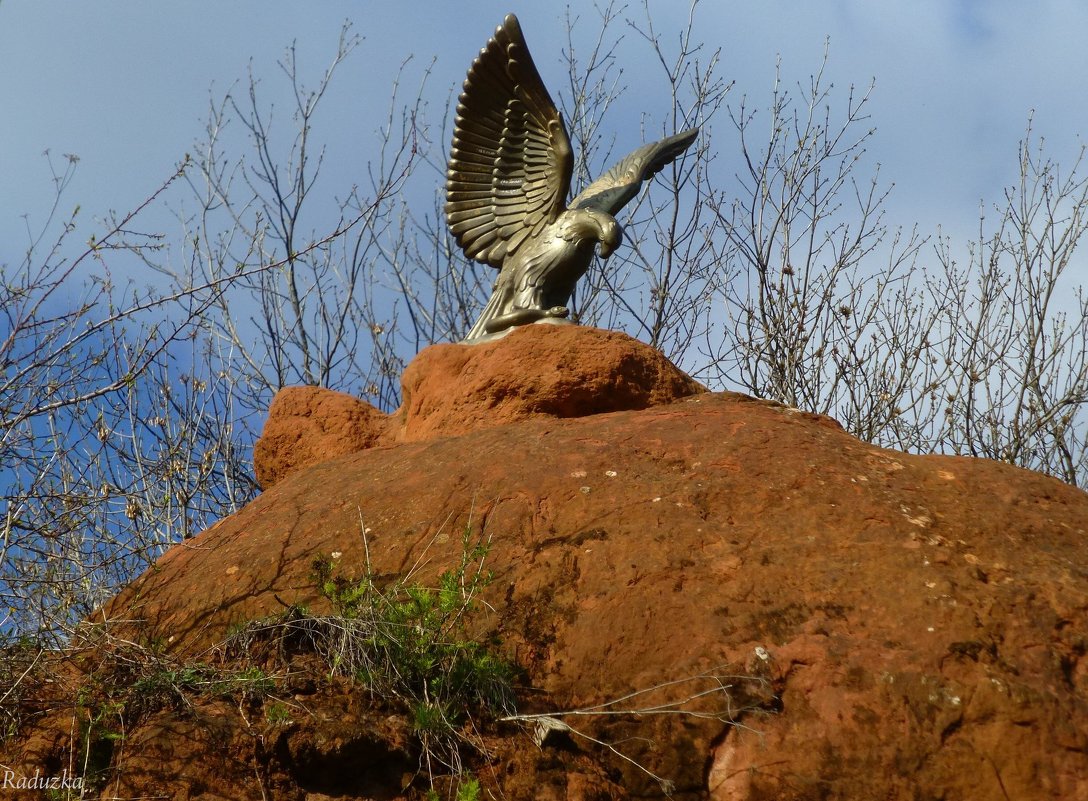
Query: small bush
(409, 645)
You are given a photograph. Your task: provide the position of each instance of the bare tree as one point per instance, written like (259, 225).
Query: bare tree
(1013, 327)
(310, 308)
(799, 230)
(831, 311)
(658, 286)
(106, 463)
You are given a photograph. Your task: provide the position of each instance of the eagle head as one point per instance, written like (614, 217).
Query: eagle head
(609, 237)
(590, 226)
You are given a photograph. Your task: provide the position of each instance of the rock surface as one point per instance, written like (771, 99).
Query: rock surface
(536, 371)
(307, 425)
(893, 626)
(450, 389)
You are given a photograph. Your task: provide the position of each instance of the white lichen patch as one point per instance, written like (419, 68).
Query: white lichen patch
(917, 518)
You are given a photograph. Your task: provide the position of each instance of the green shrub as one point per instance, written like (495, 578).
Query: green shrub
(409, 645)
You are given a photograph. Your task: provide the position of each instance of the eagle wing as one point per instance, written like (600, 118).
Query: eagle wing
(510, 162)
(615, 188)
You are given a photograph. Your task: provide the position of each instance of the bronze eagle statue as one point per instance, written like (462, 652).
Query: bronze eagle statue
(509, 175)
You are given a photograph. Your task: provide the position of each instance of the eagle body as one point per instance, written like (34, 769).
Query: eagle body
(507, 182)
(536, 282)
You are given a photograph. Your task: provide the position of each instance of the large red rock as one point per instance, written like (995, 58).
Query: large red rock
(920, 621)
(536, 371)
(451, 389)
(884, 625)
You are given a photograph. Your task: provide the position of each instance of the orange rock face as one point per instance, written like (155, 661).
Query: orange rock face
(882, 625)
(535, 371)
(307, 425)
(451, 389)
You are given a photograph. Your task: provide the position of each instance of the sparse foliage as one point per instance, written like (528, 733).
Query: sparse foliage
(1013, 329)
(409, 645)
(113, 446)
(314, 307)
(109, 691)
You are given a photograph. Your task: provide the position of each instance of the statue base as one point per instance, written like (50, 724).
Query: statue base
(507, 331)
(533, 371)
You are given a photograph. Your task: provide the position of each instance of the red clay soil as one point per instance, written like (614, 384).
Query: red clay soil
(897, 627)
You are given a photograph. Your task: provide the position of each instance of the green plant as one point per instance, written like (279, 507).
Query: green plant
(277, 714)
(410, 645)
(166, 683)
(102, 730)
(411, 642)
(468, 789)
(121, 683)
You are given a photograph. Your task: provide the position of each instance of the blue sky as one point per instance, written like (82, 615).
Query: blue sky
(125, 84)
